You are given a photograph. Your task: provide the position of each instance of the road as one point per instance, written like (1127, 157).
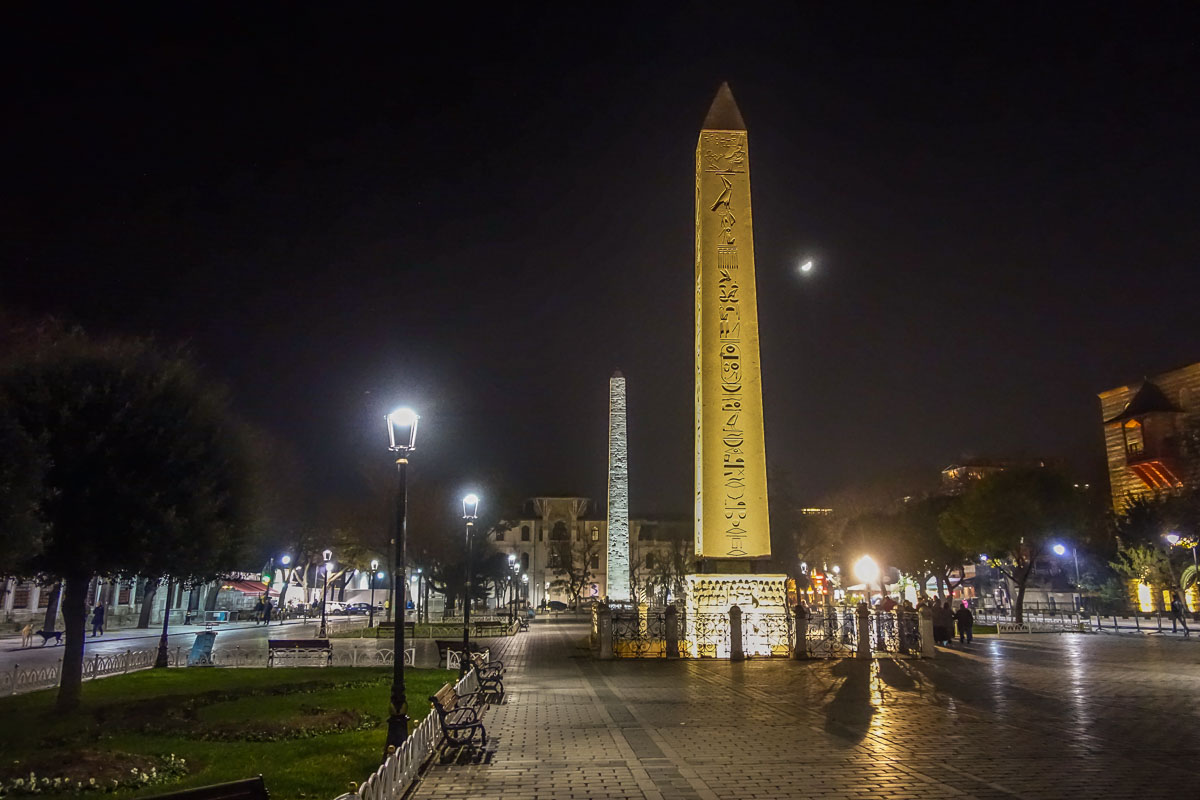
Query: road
(246, 635)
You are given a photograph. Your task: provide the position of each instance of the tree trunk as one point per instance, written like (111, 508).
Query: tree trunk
(75, 608)
(941, 588)
(210, 599)
(52, 607)
(1022, 578)
(147, 603)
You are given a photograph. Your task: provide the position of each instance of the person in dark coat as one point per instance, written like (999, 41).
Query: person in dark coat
(98, 621)
(965, 621)
(943, 623)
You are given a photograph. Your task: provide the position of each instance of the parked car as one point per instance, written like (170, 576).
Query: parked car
(363, 608)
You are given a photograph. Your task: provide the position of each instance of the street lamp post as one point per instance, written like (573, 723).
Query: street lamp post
(371, 610)
(163, 658)
(328, 554)
(1061, 550)
(470, 514)
(512, 588)
(402, 440)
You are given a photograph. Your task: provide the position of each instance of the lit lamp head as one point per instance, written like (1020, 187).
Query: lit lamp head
(374, 564)
(402, 430)
(328, 556)
(525, 578)
(1060, 550)
(471, 507)
(866, 570)
(512, 559)
(285, 559)
(1172, 538)
(837, 570)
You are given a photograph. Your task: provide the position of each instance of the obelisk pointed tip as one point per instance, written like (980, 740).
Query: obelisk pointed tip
(618, 374)
(723, 114)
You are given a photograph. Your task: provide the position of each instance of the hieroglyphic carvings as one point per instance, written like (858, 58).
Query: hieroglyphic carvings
(618, 492)
(731, 490)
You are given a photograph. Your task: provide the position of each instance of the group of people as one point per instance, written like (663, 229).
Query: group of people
(946, 619)
(262, 611)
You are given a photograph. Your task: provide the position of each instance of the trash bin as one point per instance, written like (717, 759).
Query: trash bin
(202, 648)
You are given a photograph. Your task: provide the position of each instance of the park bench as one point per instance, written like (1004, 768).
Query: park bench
(445, 645)
(489, 628)
(301, 652)
(523, 624)
(490, 675)
(410, 628)
(458, 718)
(248, 789)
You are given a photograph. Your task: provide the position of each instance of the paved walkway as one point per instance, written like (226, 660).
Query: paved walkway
(1043, 716)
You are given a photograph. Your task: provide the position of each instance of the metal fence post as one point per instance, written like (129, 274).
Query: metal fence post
(863, 612)
(672, 632)
(604, 617)
(736, 653)
(800, 648)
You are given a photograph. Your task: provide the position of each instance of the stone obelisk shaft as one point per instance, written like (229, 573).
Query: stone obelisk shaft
(731, 471)
(618, 492)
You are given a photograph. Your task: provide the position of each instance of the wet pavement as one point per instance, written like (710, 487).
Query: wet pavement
(1040, 716)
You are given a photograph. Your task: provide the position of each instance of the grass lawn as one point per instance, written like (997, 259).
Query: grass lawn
(308, 731)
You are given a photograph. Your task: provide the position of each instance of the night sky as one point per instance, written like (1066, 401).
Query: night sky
(483, 217)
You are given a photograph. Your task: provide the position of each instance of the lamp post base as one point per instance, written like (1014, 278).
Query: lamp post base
(397, 733)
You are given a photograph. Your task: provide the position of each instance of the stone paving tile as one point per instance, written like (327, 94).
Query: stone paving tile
(1045, 716)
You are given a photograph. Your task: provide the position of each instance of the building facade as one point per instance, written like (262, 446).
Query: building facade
(1152, 435)
(574, 527)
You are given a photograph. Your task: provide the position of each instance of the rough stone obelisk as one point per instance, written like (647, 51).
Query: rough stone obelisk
(618, 492)
(732, 527)
(731, 461)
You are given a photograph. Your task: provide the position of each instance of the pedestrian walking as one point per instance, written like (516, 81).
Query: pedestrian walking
(965, 621)
(98, 621)
(258, 611)
(1178, 618)
(267, 611)
(943, 623)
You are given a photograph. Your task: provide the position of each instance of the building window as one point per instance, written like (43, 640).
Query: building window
(595, 534)
(500, 536)
(524, 533)
(559, 533)
(525, 562)
(595, 562)
(649, 560)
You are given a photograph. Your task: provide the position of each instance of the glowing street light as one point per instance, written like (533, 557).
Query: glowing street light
(328, 556)
(402, 440)
(1061, 550)
(866, 570)
(371, 613)
(470, 514)
(807, 266)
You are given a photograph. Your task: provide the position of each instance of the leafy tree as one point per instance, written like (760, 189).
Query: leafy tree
(145, 470)
(571, 561)
(1012, 516)
(1146, 564)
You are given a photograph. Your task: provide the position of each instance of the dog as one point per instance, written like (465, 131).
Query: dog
(48, 635)
(27, 635)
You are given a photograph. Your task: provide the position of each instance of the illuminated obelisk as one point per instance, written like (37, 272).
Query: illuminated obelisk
(732, 526)
(731, 461)
(618, 492)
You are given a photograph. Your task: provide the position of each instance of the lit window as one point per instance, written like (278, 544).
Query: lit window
(595, 534)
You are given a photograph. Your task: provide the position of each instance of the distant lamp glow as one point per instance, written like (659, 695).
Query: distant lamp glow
(285, 560)
(374, 564)
(807, 266)
(866, 570)
(1173, 538)
(983, 558)
(837, 570)
(1060, 550)
(402, 430)
(471, 507)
